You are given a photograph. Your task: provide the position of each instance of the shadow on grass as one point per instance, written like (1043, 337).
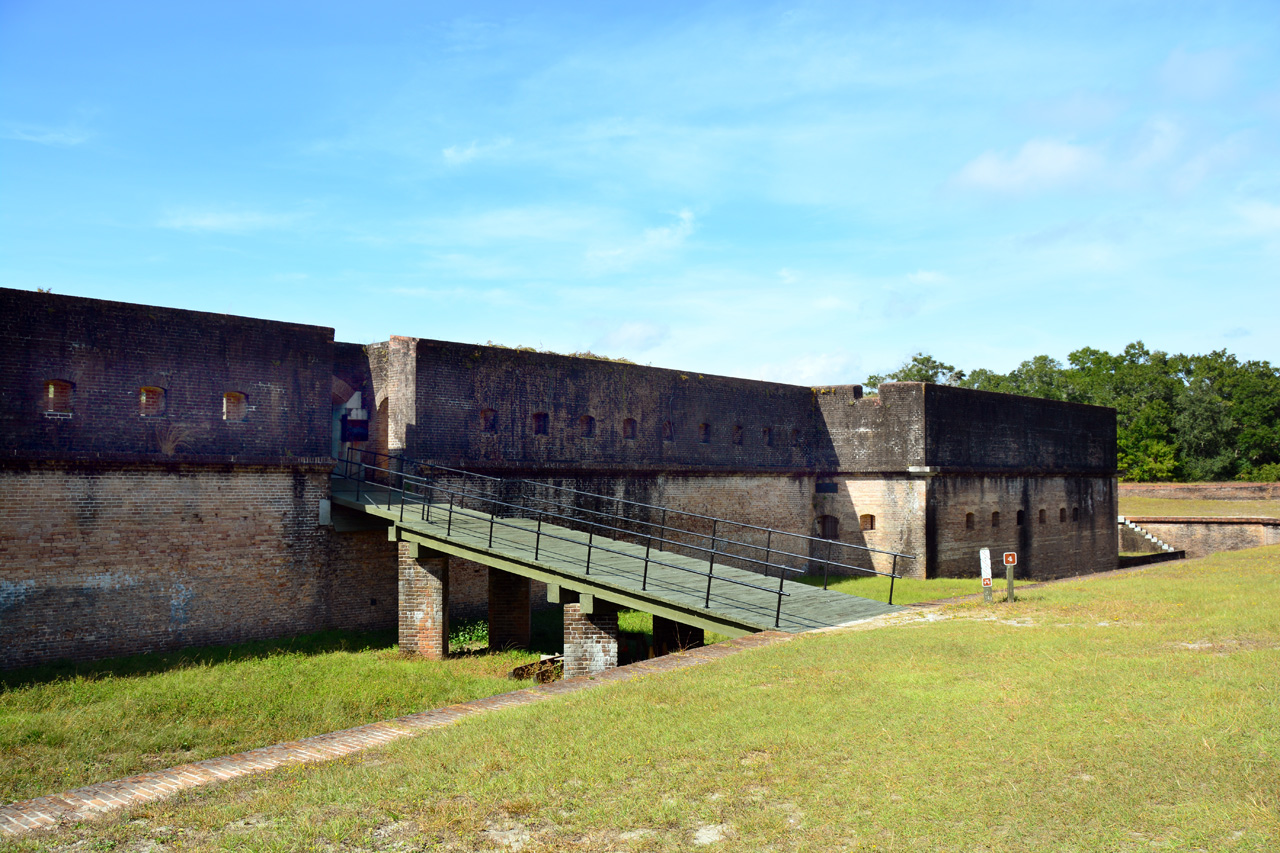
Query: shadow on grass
(318, 643)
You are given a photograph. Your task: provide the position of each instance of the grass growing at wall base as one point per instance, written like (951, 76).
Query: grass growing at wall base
(67, 725)
(1120, 713)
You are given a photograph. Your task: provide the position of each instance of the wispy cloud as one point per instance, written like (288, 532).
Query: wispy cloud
(653, 243)
(225, 221)
(1260, 217)
(632, 337)
(457, 155)
(66, 136)
(927, 277)
(1040, 164)
(1198, 75)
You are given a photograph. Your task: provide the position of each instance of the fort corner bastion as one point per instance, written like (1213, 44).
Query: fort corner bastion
(165, 474)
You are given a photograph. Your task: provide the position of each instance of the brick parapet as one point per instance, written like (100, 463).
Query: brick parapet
(1202, 491)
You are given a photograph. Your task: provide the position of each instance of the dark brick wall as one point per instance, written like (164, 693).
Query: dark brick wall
(1087, 541)
(110, 350)
(103, 559)
(985, 431)
(1203, 491)
(453, 385)
(884, 432)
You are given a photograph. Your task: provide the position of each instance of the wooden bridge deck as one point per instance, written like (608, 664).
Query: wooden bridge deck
(617, 574)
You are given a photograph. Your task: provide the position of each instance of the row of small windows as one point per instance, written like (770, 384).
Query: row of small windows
(585, 426)
(152, 401)
(829, 525)
(970, 521)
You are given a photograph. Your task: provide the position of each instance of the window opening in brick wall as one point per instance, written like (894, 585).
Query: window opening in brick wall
(1062, 515)
(57, 397)
(235, 406)
(737, 434)
(1042, 516)
(704, 433)
(541, 423)
(968, 521)
(866, 522)
(828, 527)
(489, 420)
(795, 438)
(995, 519)
(586, 426)
(151, 401)
(1075, 513)
(668, 432)
(1022, 517)
(629, 429)
(767, 435)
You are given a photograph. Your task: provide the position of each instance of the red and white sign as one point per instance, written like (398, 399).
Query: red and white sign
(1010, 558)
(986, 581)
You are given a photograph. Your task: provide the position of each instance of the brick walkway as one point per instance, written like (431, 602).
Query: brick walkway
(94, 800)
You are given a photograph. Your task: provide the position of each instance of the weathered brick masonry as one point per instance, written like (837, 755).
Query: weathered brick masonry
(164, 471)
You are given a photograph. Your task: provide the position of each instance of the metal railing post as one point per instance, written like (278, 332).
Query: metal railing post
(777, 617)
(537, 539)
(710, 575)
(893, 577)
(448, 530)
(662, 534)
(826, 565)
(644, 579)
(491, 518)
(590, 541)
(768, 548)
(402, 497)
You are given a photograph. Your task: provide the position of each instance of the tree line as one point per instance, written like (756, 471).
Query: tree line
(1178, 417)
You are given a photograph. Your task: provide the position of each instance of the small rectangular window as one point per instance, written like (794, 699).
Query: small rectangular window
(541, 423)
(151, 401)
(704, 433)
(629, 429)
(235, 406)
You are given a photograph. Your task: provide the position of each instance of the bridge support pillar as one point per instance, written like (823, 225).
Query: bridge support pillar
(590, 637)
(509, 626)
(424, 601)
(671, 636)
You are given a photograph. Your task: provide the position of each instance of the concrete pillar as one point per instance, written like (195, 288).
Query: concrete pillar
(590, 637)
(670, 636)
(424, 601)
(509, 626)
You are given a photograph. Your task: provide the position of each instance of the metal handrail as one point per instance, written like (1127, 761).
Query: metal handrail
(893, 575)
(591, 545)
(719, 544)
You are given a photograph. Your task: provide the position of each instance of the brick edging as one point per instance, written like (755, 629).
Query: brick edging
(94, 800)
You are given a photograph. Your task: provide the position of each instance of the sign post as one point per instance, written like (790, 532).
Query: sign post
(1010, 560)
(984, 559)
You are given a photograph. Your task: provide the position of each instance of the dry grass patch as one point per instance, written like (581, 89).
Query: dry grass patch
(1070, 720)
(1140, 506)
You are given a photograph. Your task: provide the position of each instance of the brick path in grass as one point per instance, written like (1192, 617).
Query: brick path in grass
(94, 800)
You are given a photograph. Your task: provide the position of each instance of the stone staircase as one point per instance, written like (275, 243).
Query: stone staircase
(1159, 543)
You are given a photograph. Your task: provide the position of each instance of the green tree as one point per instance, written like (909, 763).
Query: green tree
(920, 368)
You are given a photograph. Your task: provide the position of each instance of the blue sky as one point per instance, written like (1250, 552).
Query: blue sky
(799, 192)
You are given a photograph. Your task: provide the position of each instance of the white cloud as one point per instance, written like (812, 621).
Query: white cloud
(1223, 155)
(1198, 75)
(632, 337)
(1039, 165)
(224, 221)
(58, 137)
(1157, 144)
(457, 155)
(927, 277)
(1260, 217)
(824, 368)
(652, 244)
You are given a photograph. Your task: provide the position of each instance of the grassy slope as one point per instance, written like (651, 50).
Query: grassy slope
(66, 726)
(1139, 506)
(1130, 712)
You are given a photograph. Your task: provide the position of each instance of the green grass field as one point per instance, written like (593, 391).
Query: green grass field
(1119, 713)
(69, 725)
(1140, 506)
